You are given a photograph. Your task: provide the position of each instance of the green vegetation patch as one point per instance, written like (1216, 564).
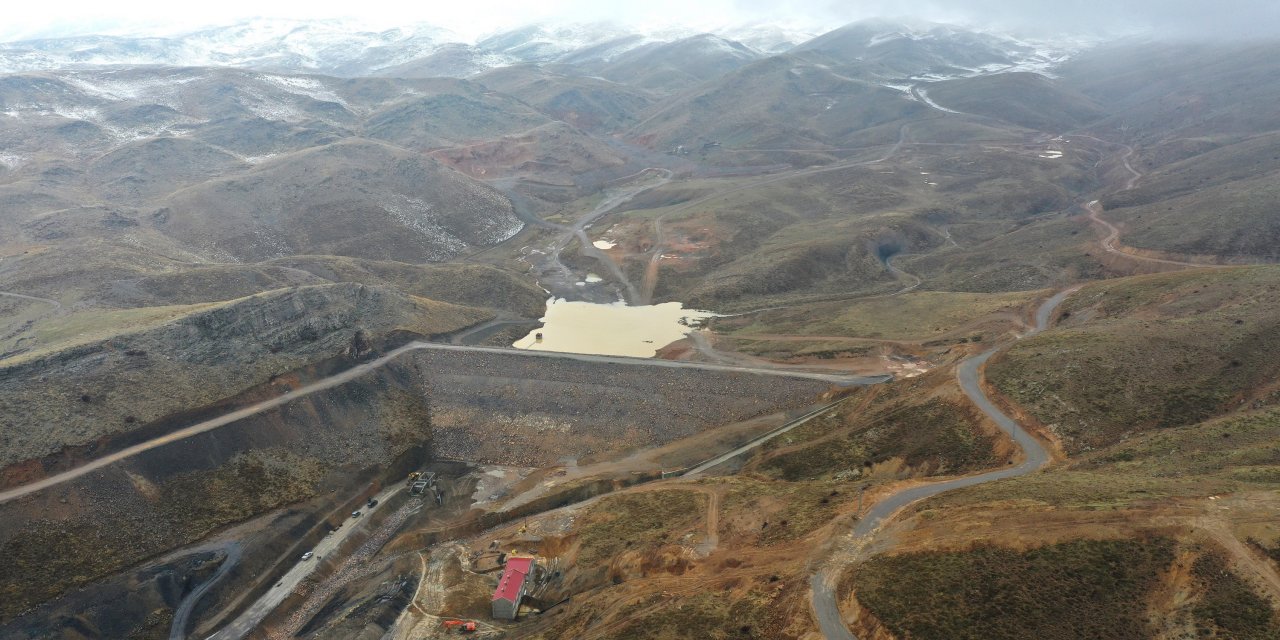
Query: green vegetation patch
(475, 285)
(48, 557)
(1243, 447)
(916, 315)
(1150, 352)
(936, 434)
(1084, 589)
(635, 520)
(87, 326)
(1229, 606)
(1082, 490)
(783, 349)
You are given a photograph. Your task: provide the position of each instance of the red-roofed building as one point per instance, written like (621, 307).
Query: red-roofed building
(511, 588)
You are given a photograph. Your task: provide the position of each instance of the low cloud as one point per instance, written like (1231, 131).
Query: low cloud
(1205, 19)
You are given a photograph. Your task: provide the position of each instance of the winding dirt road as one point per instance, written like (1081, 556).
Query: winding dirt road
(55, 303)
(969, 374)
(1111, 241)
(182, 615)
(359, 370)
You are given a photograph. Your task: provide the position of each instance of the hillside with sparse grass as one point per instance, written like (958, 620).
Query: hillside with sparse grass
(987, 592)
(1149, 352)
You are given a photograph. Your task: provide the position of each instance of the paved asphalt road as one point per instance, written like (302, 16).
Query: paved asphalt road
(359, 370)
(823, 598)
(242, 625)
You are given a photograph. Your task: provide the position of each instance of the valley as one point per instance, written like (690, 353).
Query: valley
(895, 330)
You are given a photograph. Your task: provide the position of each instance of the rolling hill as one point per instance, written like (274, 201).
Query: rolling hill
(352, 198)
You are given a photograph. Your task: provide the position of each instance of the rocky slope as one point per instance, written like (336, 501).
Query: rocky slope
(86, 394)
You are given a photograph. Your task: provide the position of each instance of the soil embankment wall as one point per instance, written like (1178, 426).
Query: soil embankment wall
(518, 410)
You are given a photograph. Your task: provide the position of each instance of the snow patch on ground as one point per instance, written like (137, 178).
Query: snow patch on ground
(308, 87)
(492, 229)
(882, 38)
(94, 115)
(417, 215)
(11, 161)
(161, 90)
(924, 97)
(720, 45)
(258, 159)
(271, 109)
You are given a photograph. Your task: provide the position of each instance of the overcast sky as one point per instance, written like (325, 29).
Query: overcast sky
(1222, 18)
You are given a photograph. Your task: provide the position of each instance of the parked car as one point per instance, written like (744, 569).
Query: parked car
(355, 514)
(373, 502)
(307, 555)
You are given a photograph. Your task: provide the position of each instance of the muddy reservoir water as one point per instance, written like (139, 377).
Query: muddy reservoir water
(612, 329)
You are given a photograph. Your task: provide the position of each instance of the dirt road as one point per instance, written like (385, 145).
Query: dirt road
(479, 333)
(359, 370)
(1111, 241)
(556, 277)
(721, 459)
(822, 596)
(55, 303)
(182, 615)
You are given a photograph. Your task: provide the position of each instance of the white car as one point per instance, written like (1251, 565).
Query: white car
(307, 556)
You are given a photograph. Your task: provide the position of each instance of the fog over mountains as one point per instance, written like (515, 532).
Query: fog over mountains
(341, 48)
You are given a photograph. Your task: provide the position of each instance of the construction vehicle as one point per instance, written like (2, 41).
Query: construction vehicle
(463, 626)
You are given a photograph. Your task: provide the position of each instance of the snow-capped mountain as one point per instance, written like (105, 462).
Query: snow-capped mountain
(926, 51)
(546, 43)
(316, 46)
(766, 38)
(340, 48)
